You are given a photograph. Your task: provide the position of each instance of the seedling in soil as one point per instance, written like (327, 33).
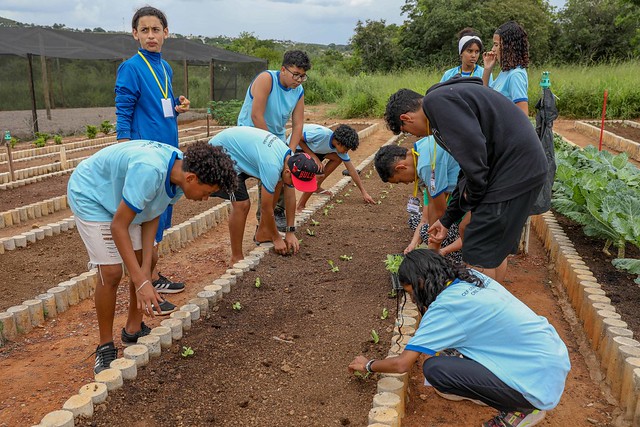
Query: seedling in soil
(347, 194)
(385, 314)
(258, 282)
(383, 197)
(314, 222)
(334, 267)
(379, 202)
(375, 337)
(331, 206)
(311, 233)
(338, 201)
(392, 263)
(236, 306)
(392, 294)
(360, 375)
(346, 257)
(187, 351)
(325, 211)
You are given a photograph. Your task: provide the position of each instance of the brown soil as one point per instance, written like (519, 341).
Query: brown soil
(314, 381)
(623, 130)
(31, 193)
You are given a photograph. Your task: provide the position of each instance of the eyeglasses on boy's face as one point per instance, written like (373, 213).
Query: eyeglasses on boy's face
(297, 76)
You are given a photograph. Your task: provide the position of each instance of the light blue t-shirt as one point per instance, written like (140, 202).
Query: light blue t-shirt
(494, 328)
(319, 139)
(256, 152)
(280, 104)
(514, 84)
(446, 168)
(136, 172)
(477, 72)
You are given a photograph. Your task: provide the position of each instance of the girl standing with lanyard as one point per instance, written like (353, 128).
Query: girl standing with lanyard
(511, 50)
(469, 48)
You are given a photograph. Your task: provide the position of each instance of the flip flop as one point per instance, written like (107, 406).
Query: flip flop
(257, 243)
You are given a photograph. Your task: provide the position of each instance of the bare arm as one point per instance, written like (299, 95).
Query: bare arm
(524, 106)
(353, 173)
(399, 364)
(260, 90)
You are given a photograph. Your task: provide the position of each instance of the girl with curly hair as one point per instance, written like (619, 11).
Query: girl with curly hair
(506, 357)
(511, 50)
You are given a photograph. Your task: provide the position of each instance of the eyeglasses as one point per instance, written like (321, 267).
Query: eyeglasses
(297, 76)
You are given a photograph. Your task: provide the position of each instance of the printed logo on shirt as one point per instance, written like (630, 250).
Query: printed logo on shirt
(269, 139)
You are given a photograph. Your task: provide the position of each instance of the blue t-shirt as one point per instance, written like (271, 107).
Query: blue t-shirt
(136, 172)
(280, 104)
(514, 84)
(494, 328)
(319, 139)
(256, 152)
(446, 168)
(477, 72)
(138, 100)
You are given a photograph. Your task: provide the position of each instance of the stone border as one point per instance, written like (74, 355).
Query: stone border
(612, 140)
(34, 210)
(81, 405)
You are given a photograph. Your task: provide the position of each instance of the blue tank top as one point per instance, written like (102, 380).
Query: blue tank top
(280, 105)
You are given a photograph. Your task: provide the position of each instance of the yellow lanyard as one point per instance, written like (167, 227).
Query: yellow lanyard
(433, 158)
(165, 92)
(475, 67)
(415, 155)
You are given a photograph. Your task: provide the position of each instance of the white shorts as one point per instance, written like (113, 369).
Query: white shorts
(99, 242)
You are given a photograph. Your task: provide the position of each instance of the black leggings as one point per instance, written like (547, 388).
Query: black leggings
(468, 378)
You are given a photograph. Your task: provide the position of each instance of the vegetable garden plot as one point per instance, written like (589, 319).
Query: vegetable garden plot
(321, 317)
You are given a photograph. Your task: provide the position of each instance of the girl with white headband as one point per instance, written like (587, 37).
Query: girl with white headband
(469, 49)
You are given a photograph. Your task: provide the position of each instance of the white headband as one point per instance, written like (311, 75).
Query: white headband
(464, 41)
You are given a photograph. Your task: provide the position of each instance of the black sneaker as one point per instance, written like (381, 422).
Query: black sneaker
(129, 339)
(346, 172)
(165, 308)
(281, 220)
(105, 354)
(166, 286)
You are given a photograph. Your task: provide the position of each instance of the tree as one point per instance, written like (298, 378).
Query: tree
(375, 43)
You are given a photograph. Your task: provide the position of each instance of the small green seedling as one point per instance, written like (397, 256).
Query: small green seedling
(385, 314)
(383, 196)
(390, 186)
(346, 257)
(334, 267)
(379, 202)
(347, 194)
(360, 375)
(258, 282)
(338, 200)
(314, 222)
(236, 306)
(392, 263)
(392, 294)
(310, 232)
(325, 211)
(187, 351)
(331, 206)
(375, 337)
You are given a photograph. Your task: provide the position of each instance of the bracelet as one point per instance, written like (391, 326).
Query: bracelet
(367, 367)
(143, 283)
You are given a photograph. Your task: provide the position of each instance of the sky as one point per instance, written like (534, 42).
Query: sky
(310, 21)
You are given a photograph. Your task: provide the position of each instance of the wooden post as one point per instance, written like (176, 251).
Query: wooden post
(52, 98)
(10, 157)
(45, 85)
(63, 158)
(61, 79)
(604, 114)
(186, 79)
(211, 80)
(32, 92)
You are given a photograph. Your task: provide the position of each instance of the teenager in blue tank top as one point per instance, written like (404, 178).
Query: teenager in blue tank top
(145, 105)
(117, 196)
(509, 358)
(469, 48)
(511, 50)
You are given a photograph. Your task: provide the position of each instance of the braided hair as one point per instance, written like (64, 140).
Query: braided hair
(429, 273)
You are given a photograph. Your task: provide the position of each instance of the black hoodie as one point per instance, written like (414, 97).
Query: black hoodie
(498, 150)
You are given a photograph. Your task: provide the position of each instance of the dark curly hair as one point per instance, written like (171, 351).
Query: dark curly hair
(296, 58)
(401, 102)
(148, 11)
(212, 165)
(428, 273)
(347, 137)
(514, 46)
(468, 31)
(386, 158)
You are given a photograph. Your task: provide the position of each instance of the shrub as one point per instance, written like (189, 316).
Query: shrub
(40, 142)
(106, 127)
(225, 113)
(92, 131)
(57, 139)
(45, 136)
(14, 141)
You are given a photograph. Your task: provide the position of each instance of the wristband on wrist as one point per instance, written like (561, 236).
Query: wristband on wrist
(367, 367)
(290, 229)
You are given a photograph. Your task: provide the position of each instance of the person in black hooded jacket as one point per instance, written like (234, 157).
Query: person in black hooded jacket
(502, 164)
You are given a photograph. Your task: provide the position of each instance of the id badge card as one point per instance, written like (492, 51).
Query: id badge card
(432, 183)
(167, 108)
(413, 205)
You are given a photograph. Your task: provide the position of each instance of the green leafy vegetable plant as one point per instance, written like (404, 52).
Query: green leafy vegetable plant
(334, 267)
(106, 127)
(57, 139)
(392, 263)
(630, 265)
(314, 222)
(385, 314)
(346, 257)
(311, 232)
(375, 337)
(236, 306)
(187, 351)
(258, 282)
(91, 132)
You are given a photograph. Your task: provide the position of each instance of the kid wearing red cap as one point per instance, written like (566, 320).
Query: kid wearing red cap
(262, 155)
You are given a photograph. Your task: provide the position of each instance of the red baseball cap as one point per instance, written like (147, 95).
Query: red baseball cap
(303, 172)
